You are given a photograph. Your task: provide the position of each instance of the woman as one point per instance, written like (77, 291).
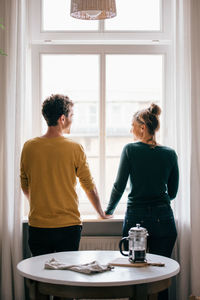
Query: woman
(154, 176)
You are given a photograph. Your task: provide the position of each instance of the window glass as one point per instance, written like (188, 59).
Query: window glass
(56, 17)
(136, 15)
(133, 82)
(66, 74)
(78, 77)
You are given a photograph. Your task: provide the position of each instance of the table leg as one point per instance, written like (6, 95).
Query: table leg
(34, 294)
(140, 292)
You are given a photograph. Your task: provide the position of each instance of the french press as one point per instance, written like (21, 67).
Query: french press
(137, 241)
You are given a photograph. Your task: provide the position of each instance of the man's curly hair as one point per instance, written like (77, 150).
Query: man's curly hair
(54, 107)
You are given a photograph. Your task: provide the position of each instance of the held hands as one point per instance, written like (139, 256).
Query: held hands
(105, 216)
(94, 199)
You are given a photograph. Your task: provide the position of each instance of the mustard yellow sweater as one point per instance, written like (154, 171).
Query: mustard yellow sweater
(49, 170)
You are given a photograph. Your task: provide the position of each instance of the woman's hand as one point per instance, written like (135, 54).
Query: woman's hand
(105, 216)
(108, 216)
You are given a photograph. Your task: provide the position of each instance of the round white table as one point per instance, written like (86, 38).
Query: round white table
(121, 282)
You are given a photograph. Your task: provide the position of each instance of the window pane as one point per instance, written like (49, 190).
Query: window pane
(66, 74)
(133, 82)
(56, 17)
(136, 15)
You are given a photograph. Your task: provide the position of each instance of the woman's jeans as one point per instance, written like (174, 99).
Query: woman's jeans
(160, 224)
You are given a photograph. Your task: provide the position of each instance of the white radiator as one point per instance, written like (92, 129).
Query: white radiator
(99, 243)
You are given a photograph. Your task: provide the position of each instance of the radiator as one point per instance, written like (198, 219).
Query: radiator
(99, 243)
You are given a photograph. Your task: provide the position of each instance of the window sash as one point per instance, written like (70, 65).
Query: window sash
(111, 42)
(38, 50)
(38, 35)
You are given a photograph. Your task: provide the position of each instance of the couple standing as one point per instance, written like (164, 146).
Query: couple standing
(50, 165)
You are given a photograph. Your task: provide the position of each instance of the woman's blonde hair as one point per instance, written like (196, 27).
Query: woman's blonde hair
(149, 117)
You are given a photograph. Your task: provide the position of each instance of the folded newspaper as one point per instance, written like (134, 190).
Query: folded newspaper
(89, 268)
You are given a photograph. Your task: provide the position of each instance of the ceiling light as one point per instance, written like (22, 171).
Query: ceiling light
(93, 9)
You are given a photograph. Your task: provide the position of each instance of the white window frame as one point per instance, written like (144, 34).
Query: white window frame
(152, 43)
(102, 50)
(38, 35)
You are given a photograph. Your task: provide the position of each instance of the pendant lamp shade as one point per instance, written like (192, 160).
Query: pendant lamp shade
(93, 9)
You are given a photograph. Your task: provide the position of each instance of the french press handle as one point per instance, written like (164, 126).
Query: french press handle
(120, 246)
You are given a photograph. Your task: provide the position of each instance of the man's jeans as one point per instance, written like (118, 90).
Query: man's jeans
(49, 240)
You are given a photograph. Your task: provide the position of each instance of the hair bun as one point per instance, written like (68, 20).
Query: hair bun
(154, 109)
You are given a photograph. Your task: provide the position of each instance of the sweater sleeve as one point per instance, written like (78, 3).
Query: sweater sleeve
(173, 180)
(83, 171)
(23, 175)
(120, 183)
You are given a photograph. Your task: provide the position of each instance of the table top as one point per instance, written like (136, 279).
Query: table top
(33, 268)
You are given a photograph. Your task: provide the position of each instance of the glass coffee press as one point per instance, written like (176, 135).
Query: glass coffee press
(137, 241)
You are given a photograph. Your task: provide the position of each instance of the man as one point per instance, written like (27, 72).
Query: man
(49, 167)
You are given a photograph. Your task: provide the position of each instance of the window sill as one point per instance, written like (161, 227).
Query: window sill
(94, 218)
(92, 226)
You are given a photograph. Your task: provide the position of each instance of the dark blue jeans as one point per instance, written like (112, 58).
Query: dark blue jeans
(49, 240)
(160, 224)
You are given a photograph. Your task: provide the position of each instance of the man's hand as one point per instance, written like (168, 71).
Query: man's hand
(107, 216)
(94, 199)
(104, 216)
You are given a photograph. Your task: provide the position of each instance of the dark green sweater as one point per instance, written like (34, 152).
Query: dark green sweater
(153, 174)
